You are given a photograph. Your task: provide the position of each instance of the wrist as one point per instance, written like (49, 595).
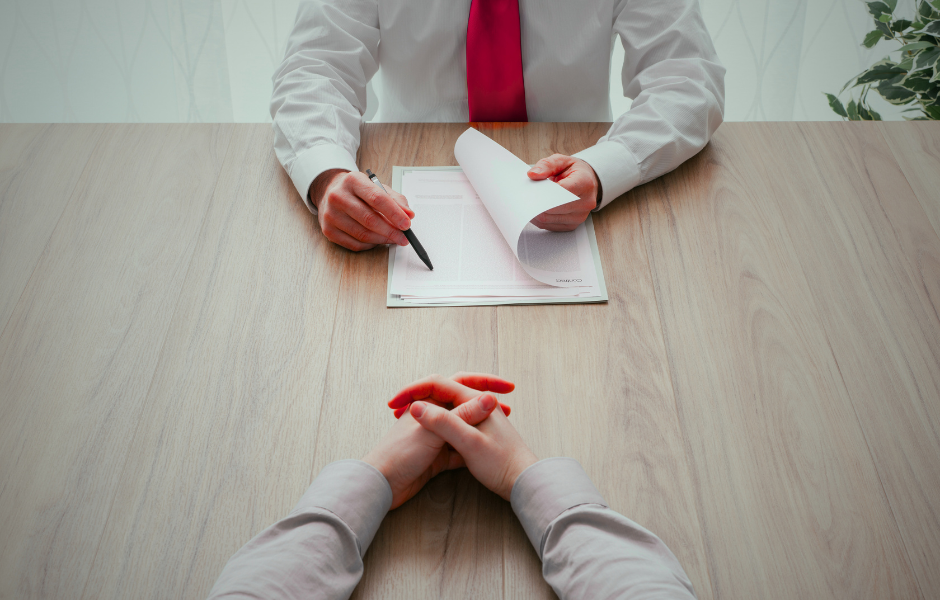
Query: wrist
(373, 458)
(521, 462)
(321, 184)
(599, 189)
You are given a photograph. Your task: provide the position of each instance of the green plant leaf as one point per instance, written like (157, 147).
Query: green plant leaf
(917, 82)
(900, 25)
(853, 82)
(836, 105)
(914, 46)
(884, 18)
(906, 64)
(879, 74)
(933, 28)
(892, 4)
(924, 9)
(936, 4)
(850, 83)
(872, 38)
(852, 110)
(896, 95)
(878, 8)
(883, 28)
(932, 111)
(927, 59)
(882, 67)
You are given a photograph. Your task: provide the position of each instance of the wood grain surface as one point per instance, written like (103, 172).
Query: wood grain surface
(877, 286)
(39, 167)
(79, 353)
(182, 351)
(244, 360)
(916, 146)
(768, 418)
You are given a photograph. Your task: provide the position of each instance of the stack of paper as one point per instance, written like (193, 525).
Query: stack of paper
(473, 220)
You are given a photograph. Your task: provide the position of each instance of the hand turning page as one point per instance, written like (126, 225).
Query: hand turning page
(474, 222)
(512, 199)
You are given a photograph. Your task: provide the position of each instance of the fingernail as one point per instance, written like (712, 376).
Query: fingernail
(417, 409)
(487, 402)
(537, 170)
(404, 224)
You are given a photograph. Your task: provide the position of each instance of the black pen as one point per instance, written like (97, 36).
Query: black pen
(412, 239)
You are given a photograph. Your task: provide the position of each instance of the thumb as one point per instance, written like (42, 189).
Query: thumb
(477, 410)
(550, 166)
(446, 425)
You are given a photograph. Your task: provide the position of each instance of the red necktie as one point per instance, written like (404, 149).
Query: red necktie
(495, 88)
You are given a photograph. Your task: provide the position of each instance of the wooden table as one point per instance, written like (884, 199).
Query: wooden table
(182, 351)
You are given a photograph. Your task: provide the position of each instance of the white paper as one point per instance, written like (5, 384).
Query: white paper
(481, 244)
(512, 200)
(470, 255)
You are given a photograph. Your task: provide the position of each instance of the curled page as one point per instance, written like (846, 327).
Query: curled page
(512, 199)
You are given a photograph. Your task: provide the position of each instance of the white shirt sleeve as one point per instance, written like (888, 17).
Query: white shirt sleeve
(672, 72)
(320, 88)
(587, 549)
(316, 551)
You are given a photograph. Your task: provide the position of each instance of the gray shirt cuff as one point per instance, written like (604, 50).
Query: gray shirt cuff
(354, 491)
(547, 489)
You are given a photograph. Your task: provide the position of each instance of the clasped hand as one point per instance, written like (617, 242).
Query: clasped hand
(446, 423)
(356, 214)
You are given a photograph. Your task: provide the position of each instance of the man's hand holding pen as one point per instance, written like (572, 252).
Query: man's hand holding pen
(356, 214)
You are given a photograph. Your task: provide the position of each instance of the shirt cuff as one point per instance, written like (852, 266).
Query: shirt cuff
(547, 489)
(616, 168)
(313, 161)
(354, 491)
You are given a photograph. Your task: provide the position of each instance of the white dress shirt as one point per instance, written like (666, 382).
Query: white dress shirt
(670, 70)
(587, 549)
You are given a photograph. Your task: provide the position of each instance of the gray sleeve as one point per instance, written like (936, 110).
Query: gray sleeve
(587, 549)
(672, 72)
(316, 551)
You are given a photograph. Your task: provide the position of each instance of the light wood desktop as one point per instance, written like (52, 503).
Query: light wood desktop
(182, 351)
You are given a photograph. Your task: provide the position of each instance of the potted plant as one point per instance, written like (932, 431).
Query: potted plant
(913, 80)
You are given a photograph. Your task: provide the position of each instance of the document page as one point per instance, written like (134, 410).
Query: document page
(474, 223)
(472, 260)
(513, 200)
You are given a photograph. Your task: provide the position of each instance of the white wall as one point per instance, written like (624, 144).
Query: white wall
(211, 60)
